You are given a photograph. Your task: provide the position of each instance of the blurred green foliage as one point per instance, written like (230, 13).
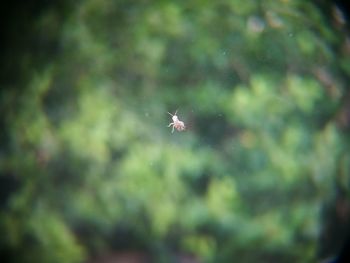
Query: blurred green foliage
(261, 86)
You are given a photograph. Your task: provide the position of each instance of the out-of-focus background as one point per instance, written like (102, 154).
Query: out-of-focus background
(90, 172)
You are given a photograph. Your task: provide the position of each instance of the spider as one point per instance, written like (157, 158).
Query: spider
(177, 124)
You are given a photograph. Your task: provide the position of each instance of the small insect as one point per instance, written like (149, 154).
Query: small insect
(177, 124)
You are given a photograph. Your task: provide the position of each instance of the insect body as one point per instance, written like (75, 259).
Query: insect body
(177, 124)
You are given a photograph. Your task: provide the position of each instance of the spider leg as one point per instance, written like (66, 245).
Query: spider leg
(171, 124)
